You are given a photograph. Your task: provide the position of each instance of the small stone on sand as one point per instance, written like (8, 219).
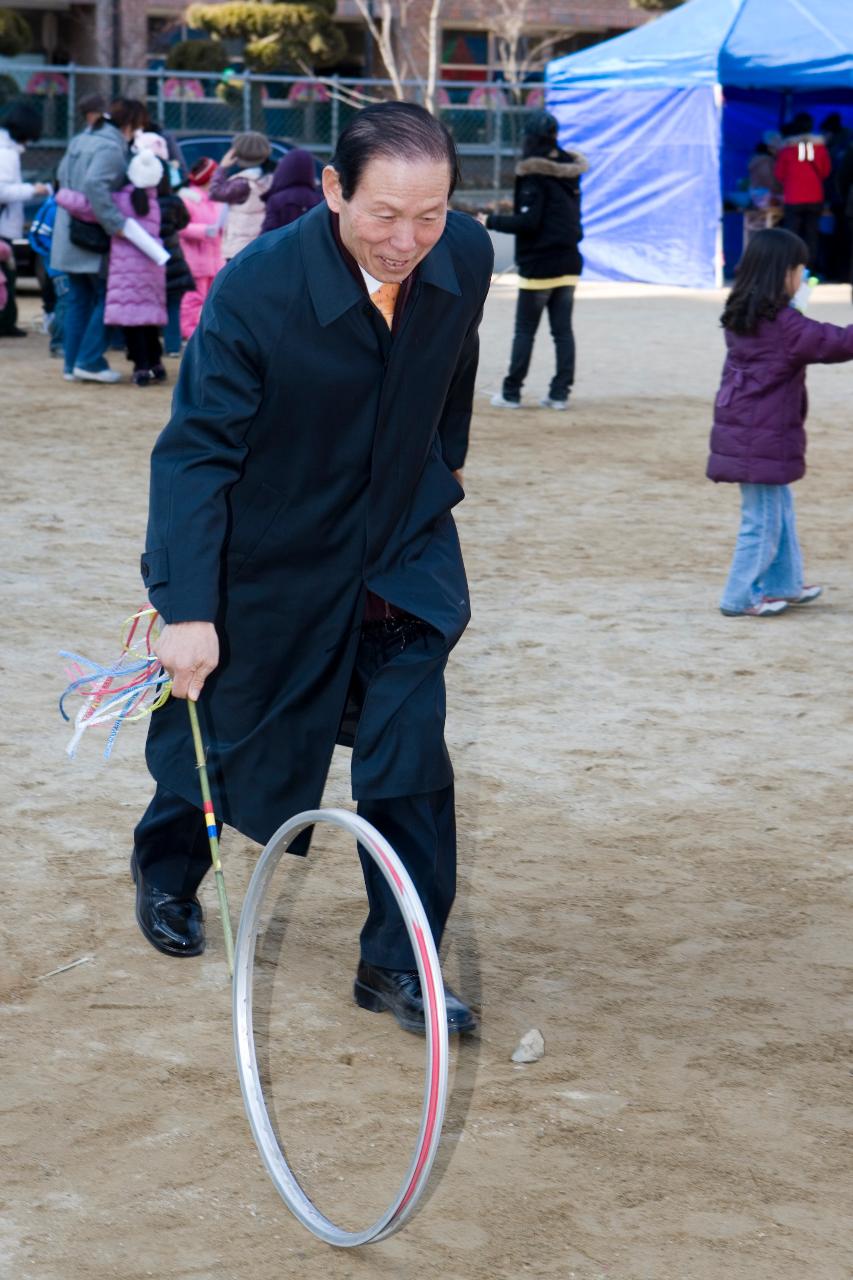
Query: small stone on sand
(531, 1047)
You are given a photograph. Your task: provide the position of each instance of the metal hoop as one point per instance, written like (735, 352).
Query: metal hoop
(432, 986)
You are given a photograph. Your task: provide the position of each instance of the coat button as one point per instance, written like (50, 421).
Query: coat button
(145, 569)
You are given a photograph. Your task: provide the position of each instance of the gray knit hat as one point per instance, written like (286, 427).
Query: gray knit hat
(251, 148)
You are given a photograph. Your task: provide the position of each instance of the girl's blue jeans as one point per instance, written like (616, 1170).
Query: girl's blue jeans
(767, 559)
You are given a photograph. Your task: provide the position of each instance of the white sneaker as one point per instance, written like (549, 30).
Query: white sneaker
(498, 402)
(547, 403)
(766, 609)
(805, 597)
(100, 375)
(69, 377)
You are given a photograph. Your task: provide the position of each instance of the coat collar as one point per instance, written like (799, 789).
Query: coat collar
(110, 132)
(437, 267)
(332, 286)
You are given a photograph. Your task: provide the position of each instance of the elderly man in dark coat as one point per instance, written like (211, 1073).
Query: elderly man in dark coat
(301, 548)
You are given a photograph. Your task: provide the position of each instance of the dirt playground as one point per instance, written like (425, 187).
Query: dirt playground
(655, 837)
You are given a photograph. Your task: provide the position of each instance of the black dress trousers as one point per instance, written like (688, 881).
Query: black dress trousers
(173, 853)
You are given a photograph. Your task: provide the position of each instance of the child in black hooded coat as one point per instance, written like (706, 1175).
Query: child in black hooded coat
(546, 223)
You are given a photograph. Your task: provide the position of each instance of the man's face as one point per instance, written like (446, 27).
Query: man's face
(396, 214)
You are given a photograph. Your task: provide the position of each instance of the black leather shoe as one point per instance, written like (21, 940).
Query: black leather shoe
(173, 925)
(399, 991)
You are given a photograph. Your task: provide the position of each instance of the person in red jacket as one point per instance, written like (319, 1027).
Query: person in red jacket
(802, 166)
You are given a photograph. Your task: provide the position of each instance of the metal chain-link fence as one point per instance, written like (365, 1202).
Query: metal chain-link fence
(485, 121)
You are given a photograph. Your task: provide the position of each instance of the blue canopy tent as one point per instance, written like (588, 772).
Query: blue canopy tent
(671, 109)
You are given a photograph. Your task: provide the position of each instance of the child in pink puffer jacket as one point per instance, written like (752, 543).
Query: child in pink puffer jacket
(136, 285)
(201, 241)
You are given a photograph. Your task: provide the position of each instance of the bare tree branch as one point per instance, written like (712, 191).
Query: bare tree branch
(344, 93)
(382, 35)
(432, 55)
(410, 51)
(516, 56)
(409, 62)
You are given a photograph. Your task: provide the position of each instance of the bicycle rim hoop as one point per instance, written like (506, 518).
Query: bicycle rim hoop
(432, 986)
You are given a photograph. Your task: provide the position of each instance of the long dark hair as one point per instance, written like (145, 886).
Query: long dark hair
(140, 202)
(164, 186)
(759, 291)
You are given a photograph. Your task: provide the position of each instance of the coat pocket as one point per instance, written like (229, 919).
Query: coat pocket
(732, 387)
(253, 515)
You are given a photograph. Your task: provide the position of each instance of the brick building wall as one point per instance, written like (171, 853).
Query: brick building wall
(578, 23)
(578, 15)
(86, 32)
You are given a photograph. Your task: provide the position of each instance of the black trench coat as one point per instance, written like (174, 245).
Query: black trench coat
(309, 458)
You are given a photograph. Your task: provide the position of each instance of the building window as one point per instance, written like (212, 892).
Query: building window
(464, 54)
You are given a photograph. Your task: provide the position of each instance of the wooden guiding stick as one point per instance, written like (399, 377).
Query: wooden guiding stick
(210, 819)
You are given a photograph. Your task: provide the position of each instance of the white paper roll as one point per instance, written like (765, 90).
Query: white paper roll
(146, 243)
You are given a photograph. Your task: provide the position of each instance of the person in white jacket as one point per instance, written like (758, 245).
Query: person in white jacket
(20, 126)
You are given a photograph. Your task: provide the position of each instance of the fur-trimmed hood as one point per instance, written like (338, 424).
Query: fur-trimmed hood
(568, 170)
(546, 217)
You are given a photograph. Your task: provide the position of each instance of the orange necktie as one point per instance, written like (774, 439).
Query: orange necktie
(385, 300)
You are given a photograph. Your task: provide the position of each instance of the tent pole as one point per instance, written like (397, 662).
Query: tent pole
(718, 257)
(718, 247)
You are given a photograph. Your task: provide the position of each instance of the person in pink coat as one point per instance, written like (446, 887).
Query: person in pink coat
(136, 285)
(201, 241)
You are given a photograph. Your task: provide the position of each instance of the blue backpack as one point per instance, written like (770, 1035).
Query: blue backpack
(40, 233)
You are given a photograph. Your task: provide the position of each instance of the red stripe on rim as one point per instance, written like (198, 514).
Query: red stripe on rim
(208, 807)
(432, 1107)
(432, 1104)
(390, 868)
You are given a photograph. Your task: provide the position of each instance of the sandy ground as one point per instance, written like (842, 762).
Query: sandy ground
(654, 806)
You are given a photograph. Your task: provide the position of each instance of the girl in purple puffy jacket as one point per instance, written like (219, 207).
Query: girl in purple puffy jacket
(136, 285)
(758, 439)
